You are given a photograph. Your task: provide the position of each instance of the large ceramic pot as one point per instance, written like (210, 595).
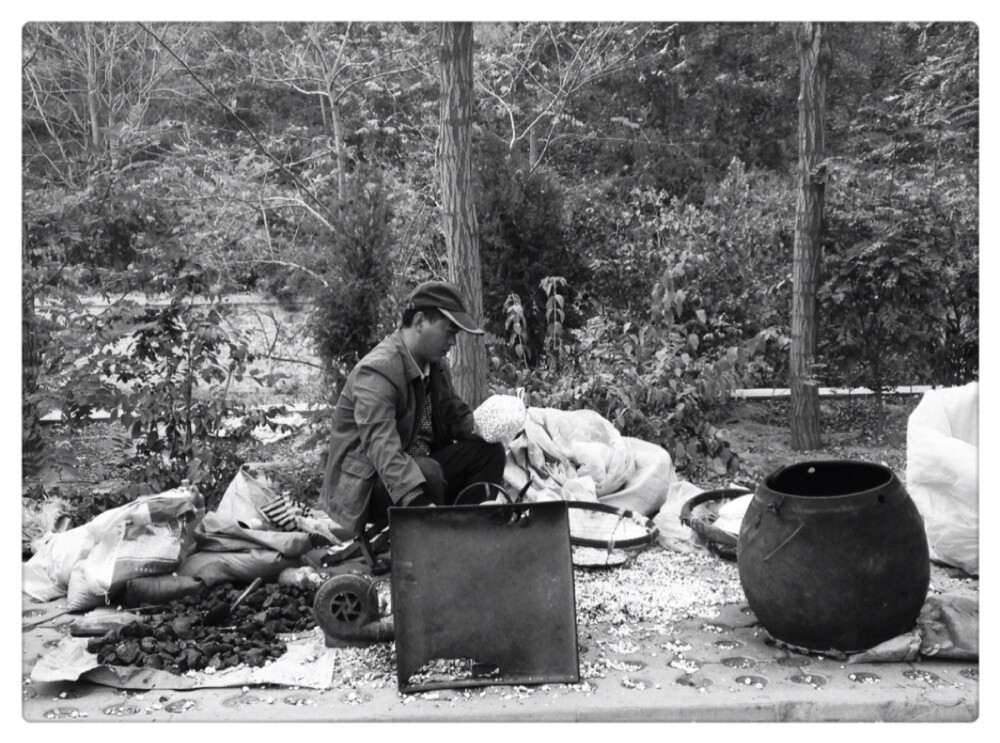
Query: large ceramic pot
(833, 555)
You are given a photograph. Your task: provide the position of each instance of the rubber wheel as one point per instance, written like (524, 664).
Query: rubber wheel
(345, 603)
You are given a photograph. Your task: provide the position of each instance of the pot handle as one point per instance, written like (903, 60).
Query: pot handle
(788, 539)
(772, 507)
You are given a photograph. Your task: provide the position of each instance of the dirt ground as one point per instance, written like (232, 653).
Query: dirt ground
(757, 431)
(759, 434)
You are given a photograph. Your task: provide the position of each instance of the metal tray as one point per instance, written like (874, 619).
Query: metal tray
(483, 595)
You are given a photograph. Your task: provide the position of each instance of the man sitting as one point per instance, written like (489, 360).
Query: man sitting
(401, 436)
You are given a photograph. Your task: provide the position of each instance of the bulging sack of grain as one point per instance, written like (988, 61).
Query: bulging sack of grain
(149, 536)
(500, 418)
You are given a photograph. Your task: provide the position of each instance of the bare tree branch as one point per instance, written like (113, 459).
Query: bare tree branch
(257, 143)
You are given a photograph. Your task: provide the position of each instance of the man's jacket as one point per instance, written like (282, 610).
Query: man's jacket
(375, 421)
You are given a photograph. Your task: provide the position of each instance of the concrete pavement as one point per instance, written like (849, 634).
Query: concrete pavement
(710, 666)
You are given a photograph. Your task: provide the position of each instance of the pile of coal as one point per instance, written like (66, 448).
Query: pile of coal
(176, 639)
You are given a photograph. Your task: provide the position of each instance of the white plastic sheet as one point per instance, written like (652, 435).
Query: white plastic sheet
(942, 473)
(307, 663)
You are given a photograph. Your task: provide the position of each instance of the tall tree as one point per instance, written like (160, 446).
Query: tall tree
(814, 63)
(458, 210)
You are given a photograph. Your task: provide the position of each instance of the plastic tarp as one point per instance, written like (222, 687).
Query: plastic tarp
(307, 663)
(579, 455)
(942, 473)
(947, 628)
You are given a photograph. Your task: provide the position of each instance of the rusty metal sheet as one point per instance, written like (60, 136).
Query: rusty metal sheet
(483, 595)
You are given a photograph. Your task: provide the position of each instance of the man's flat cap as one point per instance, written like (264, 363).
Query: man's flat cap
(447, 298)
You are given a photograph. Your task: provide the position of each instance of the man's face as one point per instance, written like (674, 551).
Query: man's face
(434, 339)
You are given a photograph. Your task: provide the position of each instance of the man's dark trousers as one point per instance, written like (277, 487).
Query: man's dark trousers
(448, 471)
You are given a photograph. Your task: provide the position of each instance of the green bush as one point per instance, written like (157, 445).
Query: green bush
(899, 300)
(641, 376)
(723, 268)
(164, 373)
(730, 263)
(522, 239)
(349, 312)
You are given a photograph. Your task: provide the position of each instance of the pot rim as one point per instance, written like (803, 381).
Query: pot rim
(890, 478)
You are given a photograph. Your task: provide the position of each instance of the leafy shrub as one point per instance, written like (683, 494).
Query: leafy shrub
(640, 376)
(618, 243)
(348, 312)
(731, 262)
(724, 267)
(700, 307)
(899, 301)
(522, 239)
(163, 373)
(54, 326)
(900, 297)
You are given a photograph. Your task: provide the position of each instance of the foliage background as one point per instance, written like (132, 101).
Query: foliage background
(634, 195)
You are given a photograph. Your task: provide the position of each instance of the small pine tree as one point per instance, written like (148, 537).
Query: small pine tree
(347, 317)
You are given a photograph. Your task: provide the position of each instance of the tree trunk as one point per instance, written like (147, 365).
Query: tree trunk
(330, 73)
(461, 230)
(814, 59)
(879, 385)
(338, 139)
(32, 444)
(90, 43)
